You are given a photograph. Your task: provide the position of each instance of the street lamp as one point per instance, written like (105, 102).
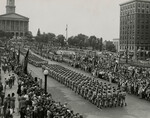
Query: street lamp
(45, 74)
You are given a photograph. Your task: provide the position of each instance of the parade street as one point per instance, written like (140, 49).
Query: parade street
(136, 108)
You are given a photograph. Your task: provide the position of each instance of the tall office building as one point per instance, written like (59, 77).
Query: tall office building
(135, 28)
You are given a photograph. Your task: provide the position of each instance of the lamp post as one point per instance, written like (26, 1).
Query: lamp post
(45, 74)
(127, 38)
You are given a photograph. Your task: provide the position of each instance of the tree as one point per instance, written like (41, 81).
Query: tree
(38, 32)
(70, 40)
(51, 38)
(100, 43)
(2, 34)
(82, 40)
(110, 46)
(8, 35)
(29, 36)
(92, 41)
(61, 40)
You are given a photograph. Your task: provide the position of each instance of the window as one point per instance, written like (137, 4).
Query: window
(139, 5)
(139, 10)
(143, 5)
(147, 11)
(147, 6)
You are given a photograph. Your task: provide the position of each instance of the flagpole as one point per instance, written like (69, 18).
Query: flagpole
(66, 32)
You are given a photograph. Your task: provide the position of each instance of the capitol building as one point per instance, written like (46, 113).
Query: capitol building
(12, 22)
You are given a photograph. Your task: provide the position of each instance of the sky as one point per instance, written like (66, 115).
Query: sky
(89, 17)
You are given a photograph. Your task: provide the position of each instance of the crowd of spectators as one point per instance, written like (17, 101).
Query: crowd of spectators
(106, 66)
(135, 79)
(35, 103)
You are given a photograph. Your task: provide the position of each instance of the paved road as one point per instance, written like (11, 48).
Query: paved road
(137, 108)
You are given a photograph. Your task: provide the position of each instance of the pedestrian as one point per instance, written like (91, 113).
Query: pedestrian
(9, 81)
(6, 83)
(1, 87)
(22, 113)
(9, 113)
(2, 97)
(13, 98)
(13, 79)
(19, 90)
(5, 107)
(8, 100)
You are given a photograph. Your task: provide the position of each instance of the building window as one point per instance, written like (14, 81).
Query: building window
(147, 6)
(139, 10)
(143, 5)
(138, 4)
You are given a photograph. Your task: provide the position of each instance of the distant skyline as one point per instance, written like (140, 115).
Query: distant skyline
(89, 17)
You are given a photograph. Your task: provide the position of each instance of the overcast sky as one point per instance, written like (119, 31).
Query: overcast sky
(90, 17)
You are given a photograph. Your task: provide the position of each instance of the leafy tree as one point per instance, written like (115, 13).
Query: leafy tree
(51, 38)
(82, 39)
(29, 36)
(8, 35)
(92, 41)
(110, 46)
(71, 40)
(61, 40)
(2, 33)
(38, 32)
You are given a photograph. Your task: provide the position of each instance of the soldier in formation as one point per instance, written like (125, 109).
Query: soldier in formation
(98, 93)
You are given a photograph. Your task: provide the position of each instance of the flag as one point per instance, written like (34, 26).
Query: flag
(26, 63)
(18, 56)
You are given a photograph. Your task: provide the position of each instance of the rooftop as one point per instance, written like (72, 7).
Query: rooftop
(13, 16)
(130, 1)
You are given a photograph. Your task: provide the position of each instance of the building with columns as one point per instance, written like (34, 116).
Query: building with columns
(12, 22)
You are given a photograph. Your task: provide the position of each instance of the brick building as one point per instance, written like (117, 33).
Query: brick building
(135, 28)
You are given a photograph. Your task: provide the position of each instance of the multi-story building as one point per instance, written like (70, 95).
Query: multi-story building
(116, 43)
(135, 28)
(12, 22)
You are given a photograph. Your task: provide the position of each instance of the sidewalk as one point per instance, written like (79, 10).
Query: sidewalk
(10, 91)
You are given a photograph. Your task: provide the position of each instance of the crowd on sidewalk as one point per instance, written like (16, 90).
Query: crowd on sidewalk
(35, 103)
(7, 100)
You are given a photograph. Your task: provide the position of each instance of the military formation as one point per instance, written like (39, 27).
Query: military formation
(100, 94)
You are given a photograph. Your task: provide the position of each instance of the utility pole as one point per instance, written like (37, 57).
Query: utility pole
(127, 37)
